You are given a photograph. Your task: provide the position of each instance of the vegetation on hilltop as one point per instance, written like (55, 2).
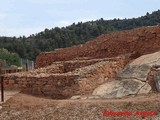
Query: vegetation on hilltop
(48, 40)
(8, 58)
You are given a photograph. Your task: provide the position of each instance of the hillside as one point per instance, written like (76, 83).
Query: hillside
(140, 41)
(48, 40)
(119, 72)
(78, 70)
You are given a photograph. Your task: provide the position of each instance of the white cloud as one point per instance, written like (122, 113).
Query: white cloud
(50, 2)
(3, 15)
(64, 23)
(20, 31)
(25, 17)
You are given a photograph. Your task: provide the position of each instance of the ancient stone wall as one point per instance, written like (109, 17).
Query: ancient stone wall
(97, 74)
(142, 40)
(78, 81)
(78, 70)
(55, 86)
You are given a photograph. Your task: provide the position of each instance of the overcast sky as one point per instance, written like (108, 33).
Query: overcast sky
(25, 17)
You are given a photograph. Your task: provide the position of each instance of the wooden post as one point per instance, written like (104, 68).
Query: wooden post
(2, 84)
(2, 88)
(26, 67)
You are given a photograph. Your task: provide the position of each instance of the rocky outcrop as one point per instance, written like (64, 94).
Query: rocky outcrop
(134, 78)
(142, 41)
(117, 88)
(139, 72)
(157, 79)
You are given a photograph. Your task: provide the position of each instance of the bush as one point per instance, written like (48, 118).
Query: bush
(10, 58)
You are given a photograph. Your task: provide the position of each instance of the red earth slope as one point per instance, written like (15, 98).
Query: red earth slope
(142, 40)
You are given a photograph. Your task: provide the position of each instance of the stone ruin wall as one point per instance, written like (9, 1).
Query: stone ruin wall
(66, 79)
(63, 85)
(142, 40)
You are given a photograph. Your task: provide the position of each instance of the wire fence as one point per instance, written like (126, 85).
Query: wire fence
(27, 64)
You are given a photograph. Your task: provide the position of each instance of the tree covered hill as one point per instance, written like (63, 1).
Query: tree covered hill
(48, 40)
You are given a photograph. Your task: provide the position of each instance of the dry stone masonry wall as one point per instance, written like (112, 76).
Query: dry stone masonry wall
(81, 80)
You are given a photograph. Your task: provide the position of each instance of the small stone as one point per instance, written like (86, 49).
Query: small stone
(75, 97)
(145, 89)
(11, 81)
(91, 97)
(84, 98)
(157, 80)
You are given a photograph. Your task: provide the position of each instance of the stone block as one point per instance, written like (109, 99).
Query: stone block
(11, 81)
(157, 80)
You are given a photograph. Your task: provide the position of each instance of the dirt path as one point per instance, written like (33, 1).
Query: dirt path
(27, 107)
(7, 95)
(23, 100)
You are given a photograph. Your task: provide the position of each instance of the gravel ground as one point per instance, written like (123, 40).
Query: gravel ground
(27, 107)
